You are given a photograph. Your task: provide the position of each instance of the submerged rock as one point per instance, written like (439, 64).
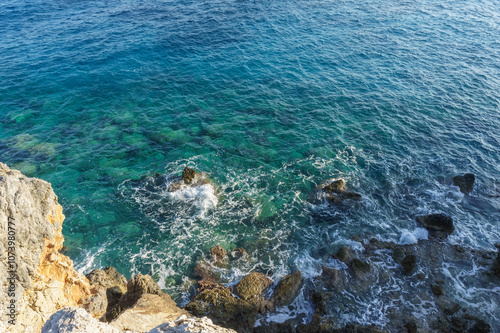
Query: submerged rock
(252, 285)
(437, 222)
(288, 289)
(334, 191)
(465, 182)
(409, 263)
(45, 280)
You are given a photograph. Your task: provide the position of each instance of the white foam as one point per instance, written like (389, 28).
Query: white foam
(414, 236)
(203, 197)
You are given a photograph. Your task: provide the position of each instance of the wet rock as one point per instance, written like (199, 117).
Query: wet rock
(345, 254)
(437, 289)
(287, 289)
(218, 256)
(409, 263)
(437, 222)
(496, 264)
(252, 285)
(446, 305)
(335, 191)
(239, 254)
(188, 175)
(465, 182)
(360, 267)
(411, 326)
(225, 309)
(398, 254)
(207, 283)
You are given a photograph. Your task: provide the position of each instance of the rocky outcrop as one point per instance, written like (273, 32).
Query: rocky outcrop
(42, 279)
(145, 303)
(147, 312)
(288, 289)
(108, 286)
(334, 191)
(225, 309)
(75, 320)
(189, 178)
(437, 223)
(465, 182)
(190, 325)
(252, 285)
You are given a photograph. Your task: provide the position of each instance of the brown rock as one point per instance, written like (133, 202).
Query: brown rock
(252, 285)
(218, 255)
(188, 175)
(287, 289)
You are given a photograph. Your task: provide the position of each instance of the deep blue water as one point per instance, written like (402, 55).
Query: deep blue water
(269, 98)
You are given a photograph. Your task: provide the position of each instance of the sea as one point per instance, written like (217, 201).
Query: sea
(269, 99)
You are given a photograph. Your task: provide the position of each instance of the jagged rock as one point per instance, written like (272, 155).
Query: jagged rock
(188, 175)
(360, 267)
(345, 254)
(45, 280)
(207, 283)
(109, 286)
(334, 191)
(398, 254)
(136, 287)
(149, 311)
(465, 182)
(288, 289)
(225, 309)
(252, 285)
(186, 324)
(239, 254)
(409, 263)
(75, 320)
(218, 256)
(437, 222)
(437, 289)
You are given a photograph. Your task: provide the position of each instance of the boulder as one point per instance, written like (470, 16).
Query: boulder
(345, 254)
(334, 191)
(109, 287)
(188, 175)
(225, 309)
(252, 285)
(437, 222)
(75, 320)
(409, 263)
(288, 289)
(185, 324)
(136, 287)
(465, 182)
(149, 311)
(42, 279)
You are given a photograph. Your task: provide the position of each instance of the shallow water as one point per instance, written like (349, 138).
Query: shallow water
(268, 98)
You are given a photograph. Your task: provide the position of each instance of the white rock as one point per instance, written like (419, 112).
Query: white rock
(75, 320)
(185, 324)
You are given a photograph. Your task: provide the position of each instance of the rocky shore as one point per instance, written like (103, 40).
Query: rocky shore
(50, 296)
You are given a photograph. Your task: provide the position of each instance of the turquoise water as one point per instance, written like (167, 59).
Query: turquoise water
(268, 98)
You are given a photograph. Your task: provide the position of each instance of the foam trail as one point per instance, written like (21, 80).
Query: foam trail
(414, 236)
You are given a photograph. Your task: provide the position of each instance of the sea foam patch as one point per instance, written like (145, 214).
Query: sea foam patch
(414, 236)
(202, 197)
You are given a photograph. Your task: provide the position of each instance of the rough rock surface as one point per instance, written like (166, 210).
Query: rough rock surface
(148, 312)
(437, 222)
(46, 280)
(75, 320)
(186, 324)
(287, 289)
(465, 182)
(252, 285)
(109, 286)
(225, 309)
(335, 191)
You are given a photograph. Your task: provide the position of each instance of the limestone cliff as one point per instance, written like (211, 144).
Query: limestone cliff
(34, 276)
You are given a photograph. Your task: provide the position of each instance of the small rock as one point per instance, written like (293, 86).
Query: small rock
(411, 326)
(409, 263)
(188, 175)
(335, 186)
(437, 289)
(344, 254)
(437, 222)
(288, 289)
(360, 267)
(218, 255)
(465, 182)
(398, 254)
(252, 285)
